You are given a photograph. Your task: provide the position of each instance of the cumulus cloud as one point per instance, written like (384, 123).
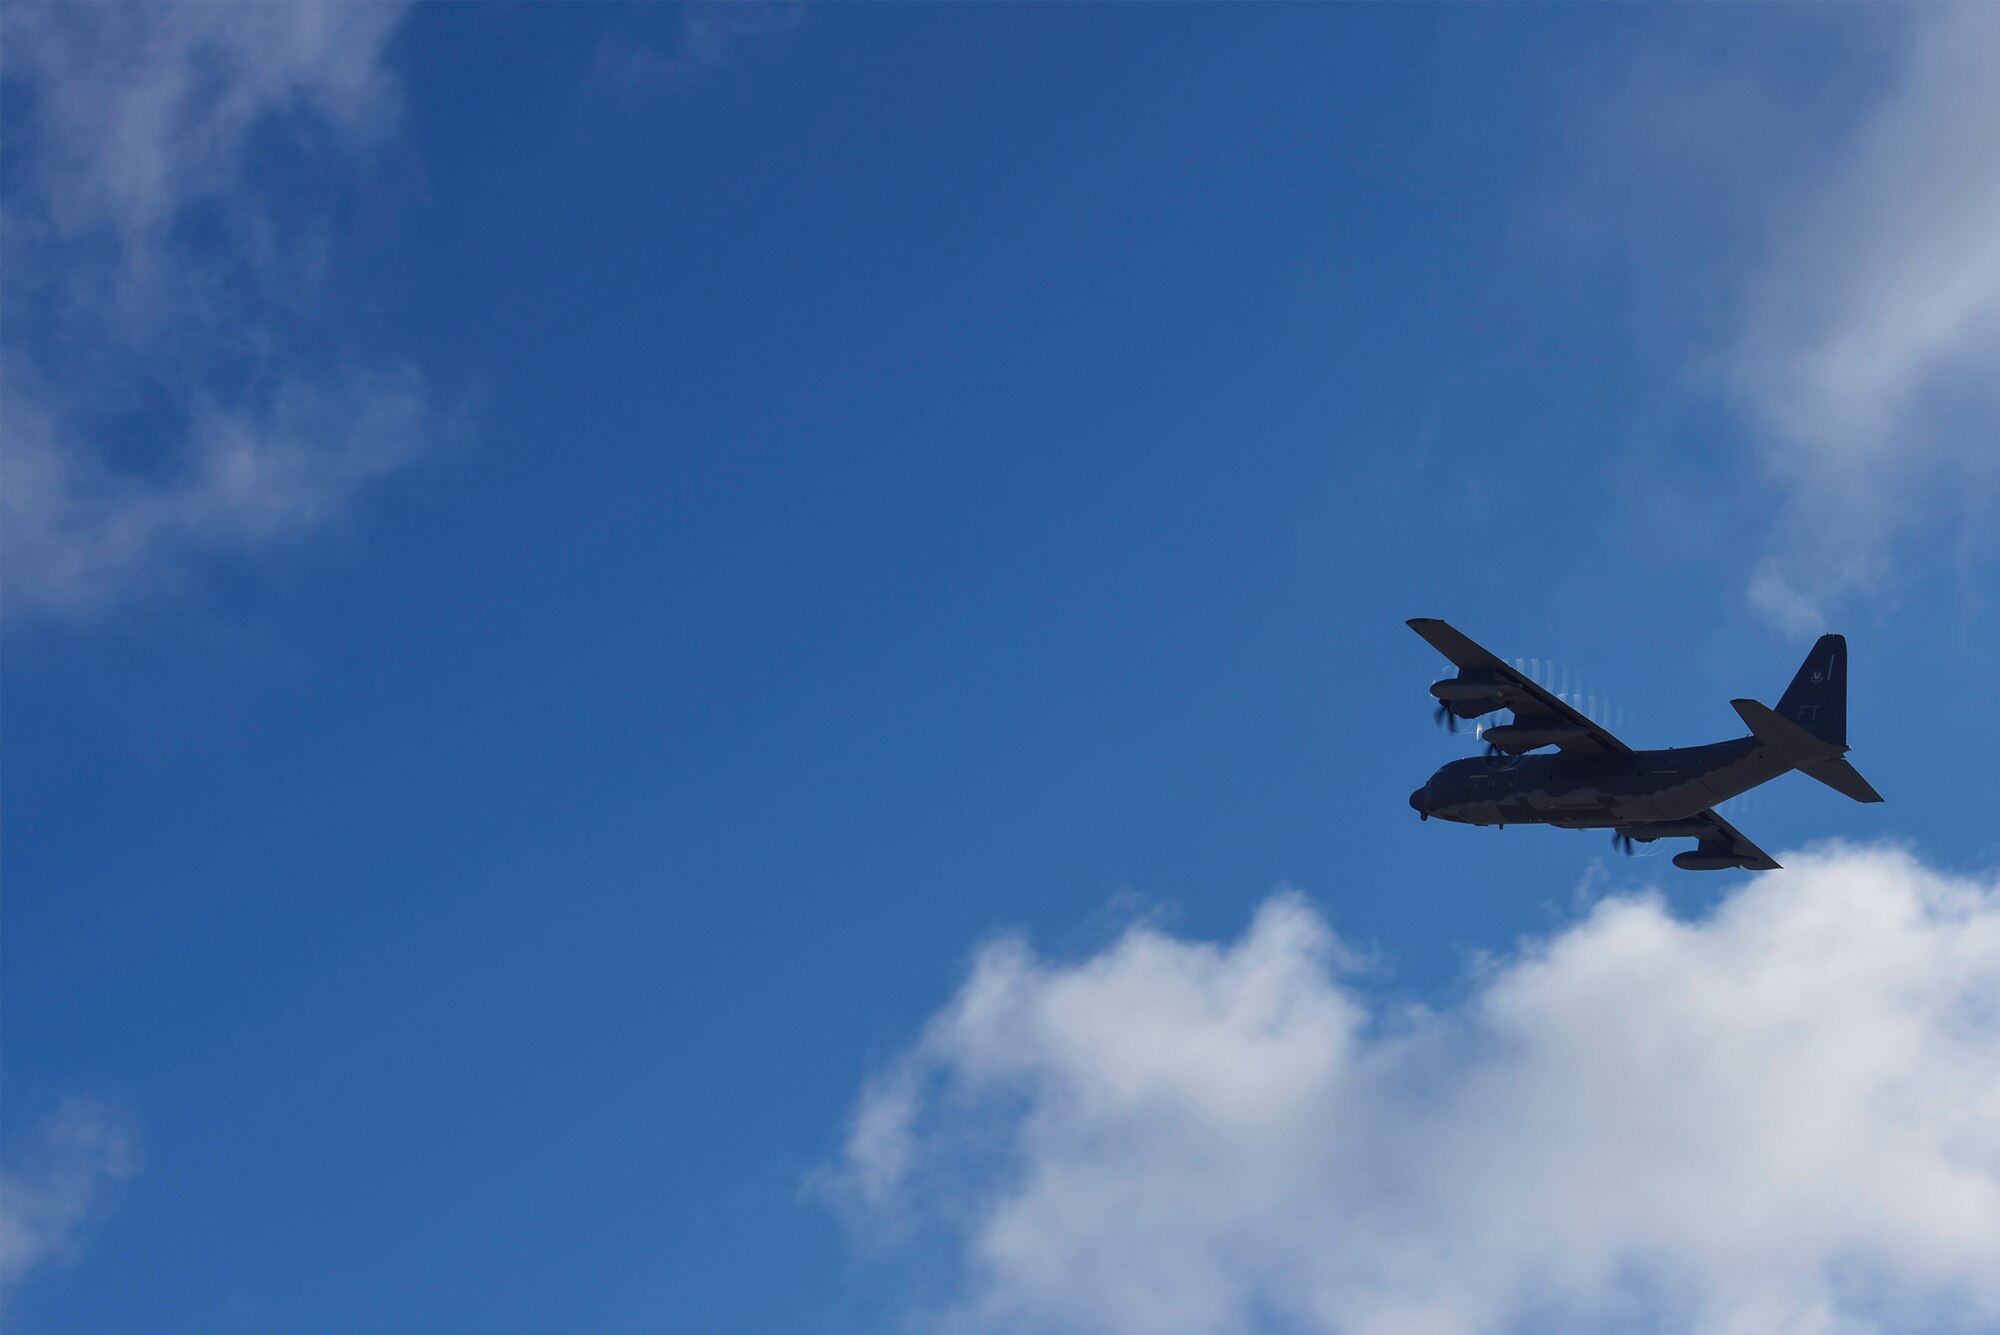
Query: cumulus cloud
(167, 232)
(1869, 356)
(1781, 1115)
(57, 1181)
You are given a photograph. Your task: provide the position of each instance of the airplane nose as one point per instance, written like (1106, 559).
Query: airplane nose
(1417, 799)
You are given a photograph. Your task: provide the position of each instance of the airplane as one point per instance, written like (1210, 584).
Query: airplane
(1594, 781)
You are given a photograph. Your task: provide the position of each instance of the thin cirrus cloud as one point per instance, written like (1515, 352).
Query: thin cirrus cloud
(167, 401)
(1781, 1115)
(708, 35)
(1869, 352)
(56, 1181)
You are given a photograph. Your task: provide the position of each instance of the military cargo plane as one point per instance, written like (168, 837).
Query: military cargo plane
(1593, 781)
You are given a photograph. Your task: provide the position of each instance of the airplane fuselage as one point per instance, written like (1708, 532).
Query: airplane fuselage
(1596, 791)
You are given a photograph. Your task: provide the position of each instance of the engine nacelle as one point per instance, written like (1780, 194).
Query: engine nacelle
(1515, 738)
(1464, 689)
(1708, 859)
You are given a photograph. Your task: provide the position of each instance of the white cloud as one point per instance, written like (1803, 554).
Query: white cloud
(79, 535)
(1869, 358)
(162, 264)
(140, 113)
(59, 1181)
(1784, 1115)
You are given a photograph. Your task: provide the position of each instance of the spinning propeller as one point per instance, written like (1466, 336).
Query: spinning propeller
(1499, 758)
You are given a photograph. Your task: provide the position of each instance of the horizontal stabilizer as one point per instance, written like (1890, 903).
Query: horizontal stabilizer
(1812, 757)
(1791, 742)
(1843, 778)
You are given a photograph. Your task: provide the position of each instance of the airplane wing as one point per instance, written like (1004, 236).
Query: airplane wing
(1754, 858)
(1532, 705)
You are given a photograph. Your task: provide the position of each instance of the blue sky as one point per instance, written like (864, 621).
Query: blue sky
(576, 576)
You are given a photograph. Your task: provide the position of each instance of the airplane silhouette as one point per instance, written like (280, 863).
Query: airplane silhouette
(1593, 781)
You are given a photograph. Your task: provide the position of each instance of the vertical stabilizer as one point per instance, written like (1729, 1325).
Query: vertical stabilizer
(1817, 697)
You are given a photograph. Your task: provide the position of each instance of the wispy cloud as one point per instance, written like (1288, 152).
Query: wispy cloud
(80, 535)
(59, 1179)
(1779, 1116)
(167, 233)
(1869, 354)
(707, 33)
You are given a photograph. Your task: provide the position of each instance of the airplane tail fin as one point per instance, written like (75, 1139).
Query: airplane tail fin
(1817, 698)
(1808, 729)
